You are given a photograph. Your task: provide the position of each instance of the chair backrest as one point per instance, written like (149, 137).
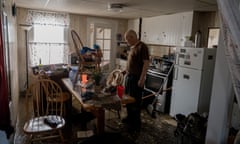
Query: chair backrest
(41, 99)
(115, 78)
(78, 45)
(42, 75)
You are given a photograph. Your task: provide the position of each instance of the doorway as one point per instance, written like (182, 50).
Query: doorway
(103, 32)
(213, 37)
(103, 38)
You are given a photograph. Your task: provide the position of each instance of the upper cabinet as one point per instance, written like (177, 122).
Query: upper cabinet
(172, 30)
(167, 29)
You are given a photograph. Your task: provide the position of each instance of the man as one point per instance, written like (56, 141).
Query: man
(137, 65)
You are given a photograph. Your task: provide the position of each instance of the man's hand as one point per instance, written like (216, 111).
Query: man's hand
(124, 72)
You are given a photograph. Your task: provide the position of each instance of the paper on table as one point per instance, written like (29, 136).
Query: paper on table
(84, 134)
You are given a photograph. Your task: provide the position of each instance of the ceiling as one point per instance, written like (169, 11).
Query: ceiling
(132, 9)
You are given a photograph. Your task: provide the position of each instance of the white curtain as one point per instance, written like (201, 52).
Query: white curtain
(48, 53)
(230, 28)
(49, 44)
(47, 18)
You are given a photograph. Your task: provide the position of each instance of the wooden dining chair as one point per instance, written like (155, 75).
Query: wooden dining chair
(65, 95)
(44, 115)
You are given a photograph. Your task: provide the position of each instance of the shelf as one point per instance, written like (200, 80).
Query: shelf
(122, 44)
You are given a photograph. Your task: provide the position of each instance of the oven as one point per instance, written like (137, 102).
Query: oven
(157, 81)
(154, 81)
(157, 75)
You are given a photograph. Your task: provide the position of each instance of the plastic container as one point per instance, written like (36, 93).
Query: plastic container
(120, 90)
(73, 73)
(84, 78)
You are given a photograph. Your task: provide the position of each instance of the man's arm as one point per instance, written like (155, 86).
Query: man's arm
(144, 72)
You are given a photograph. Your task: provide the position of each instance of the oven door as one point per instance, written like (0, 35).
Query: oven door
(154, 82)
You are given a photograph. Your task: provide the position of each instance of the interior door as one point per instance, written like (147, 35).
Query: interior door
(103, 38)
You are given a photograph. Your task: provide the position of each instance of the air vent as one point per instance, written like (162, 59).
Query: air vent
(116, 7)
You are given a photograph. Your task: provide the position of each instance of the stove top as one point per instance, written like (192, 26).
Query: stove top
(162, 70)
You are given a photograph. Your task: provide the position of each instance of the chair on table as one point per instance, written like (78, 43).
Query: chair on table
(86, 65)
(44, 114)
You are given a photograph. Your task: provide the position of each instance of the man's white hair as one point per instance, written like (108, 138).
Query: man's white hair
(131, 33)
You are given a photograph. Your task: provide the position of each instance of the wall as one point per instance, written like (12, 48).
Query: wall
(134, 25)
(221, 100)
(21, 17)
(159, 50)
(202, 21)
(79, 23)
(13, 51)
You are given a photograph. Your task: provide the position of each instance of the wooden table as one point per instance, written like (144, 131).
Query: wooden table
(95, 108)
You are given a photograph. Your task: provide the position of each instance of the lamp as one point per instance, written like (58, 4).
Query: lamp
(115, 7)
(26, 28)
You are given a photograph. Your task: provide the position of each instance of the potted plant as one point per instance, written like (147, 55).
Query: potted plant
(97, 76)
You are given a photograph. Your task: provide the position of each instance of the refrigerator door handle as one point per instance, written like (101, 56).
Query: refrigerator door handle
(177, 59)
(186, 76)
(175, 73)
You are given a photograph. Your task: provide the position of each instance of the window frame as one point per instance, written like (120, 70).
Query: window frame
(49, 44)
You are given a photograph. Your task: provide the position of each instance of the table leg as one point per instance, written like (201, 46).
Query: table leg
(100, 121)
(100, 117)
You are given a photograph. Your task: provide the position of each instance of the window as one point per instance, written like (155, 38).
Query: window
(103, 39)
(48, 44)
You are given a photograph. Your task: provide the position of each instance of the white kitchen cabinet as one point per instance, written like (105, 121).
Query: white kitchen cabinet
(167, 29)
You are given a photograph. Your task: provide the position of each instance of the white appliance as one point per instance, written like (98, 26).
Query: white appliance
(192, 82)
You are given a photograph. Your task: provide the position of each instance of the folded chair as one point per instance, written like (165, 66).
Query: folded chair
(43, 112)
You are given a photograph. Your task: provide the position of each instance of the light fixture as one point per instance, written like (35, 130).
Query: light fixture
(115, 7)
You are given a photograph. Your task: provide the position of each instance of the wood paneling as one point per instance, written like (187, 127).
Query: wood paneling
(202, 21)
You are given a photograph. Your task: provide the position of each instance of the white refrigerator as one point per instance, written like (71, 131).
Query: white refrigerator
(192, 82)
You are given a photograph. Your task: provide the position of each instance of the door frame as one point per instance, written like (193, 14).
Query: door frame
(113, 24)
